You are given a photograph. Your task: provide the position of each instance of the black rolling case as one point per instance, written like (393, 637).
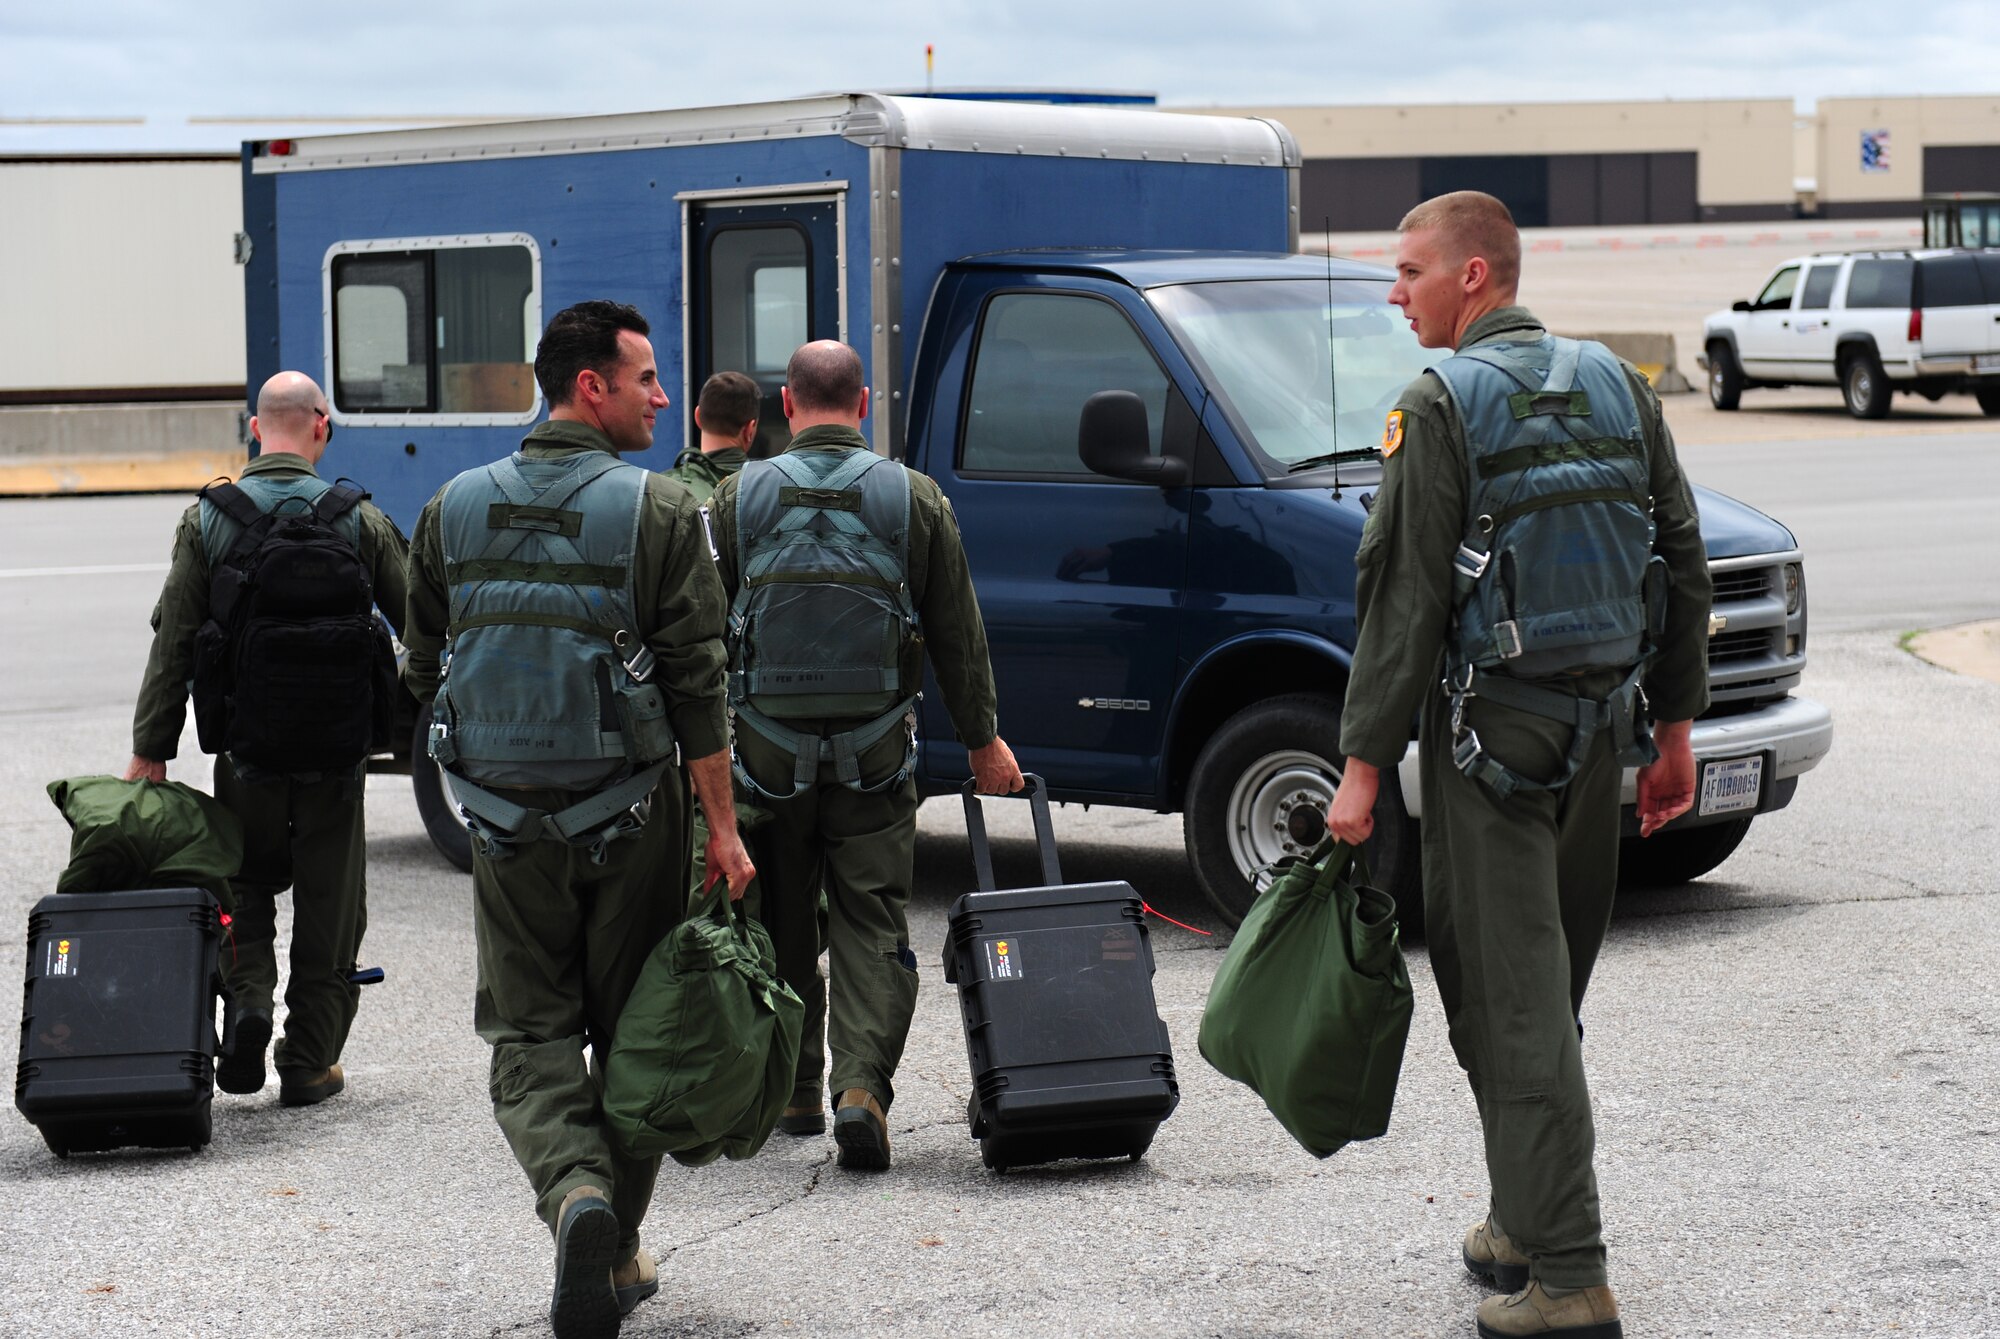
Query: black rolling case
(118, 1031)
(1069, 1056)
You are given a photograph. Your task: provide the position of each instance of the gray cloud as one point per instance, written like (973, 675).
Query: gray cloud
(139, 57)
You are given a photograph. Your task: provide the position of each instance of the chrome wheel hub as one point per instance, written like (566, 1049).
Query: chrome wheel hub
(1277, 808)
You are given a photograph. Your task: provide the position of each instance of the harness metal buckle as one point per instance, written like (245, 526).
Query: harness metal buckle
(639, 662)
(1470, 562)
(1467, 751)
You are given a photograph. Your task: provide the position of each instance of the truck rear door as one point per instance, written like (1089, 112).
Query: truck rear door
(763, 277)
(1958, 320)
(1080, 577)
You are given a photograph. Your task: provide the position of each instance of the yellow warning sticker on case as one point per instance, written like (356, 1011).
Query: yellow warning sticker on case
(1003, 960)
(1392, 435)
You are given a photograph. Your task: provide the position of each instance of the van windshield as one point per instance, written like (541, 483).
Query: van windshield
(1300, 372)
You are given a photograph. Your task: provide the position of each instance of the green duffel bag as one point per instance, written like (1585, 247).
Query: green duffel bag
(146, 834)
(1312, 1006)
(702, 1063)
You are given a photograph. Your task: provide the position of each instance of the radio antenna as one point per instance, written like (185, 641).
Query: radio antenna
(1332, 406)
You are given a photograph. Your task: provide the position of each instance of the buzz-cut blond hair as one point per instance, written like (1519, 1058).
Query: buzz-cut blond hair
(1472, 223)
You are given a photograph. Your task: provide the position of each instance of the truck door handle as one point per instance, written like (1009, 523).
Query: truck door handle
(1786, 321)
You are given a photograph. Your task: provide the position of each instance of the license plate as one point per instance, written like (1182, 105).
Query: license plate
(1730, 784)
(1986, 362)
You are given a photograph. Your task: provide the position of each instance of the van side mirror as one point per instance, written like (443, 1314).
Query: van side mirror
(1112, 439)
(1742, 305)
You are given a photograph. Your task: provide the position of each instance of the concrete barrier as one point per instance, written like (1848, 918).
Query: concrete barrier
(1653, 354)
(123, 448)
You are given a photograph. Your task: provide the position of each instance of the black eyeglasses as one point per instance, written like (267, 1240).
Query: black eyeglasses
(329, 422)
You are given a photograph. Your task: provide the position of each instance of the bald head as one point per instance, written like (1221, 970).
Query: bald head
(292, 416)
(823, 383)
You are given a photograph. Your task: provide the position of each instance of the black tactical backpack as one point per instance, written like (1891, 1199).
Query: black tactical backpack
(293, 672)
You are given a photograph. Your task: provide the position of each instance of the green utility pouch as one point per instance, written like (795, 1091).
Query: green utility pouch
(702, 1063)
(146, 834)
(1312, 1006)
(642, 718)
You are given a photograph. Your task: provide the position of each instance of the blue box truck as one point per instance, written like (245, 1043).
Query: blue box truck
(1171, 606)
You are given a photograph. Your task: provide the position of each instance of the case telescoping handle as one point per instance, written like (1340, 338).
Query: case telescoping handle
(1037, 794)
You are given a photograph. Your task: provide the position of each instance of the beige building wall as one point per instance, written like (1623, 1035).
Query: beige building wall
(1912, 124)
(1745, 147)
(120, 274)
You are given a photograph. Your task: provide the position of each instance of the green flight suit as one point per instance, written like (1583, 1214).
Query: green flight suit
(861, 848)
(700, 471)
(561, 940)
(1517, 892)
(305, 833)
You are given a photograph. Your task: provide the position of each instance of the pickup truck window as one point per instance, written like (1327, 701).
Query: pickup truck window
(1880, 283)
(1819, 287)
(1279, 359)
(435, 331)
(1778, 293)
(1039, 357)
(1950, 281)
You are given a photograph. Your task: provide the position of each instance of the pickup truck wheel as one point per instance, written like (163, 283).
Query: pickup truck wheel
(1259, 793)
(447, 832)
(1669, 859)
(1989, 401)
(1864, 385)
(1725, 377)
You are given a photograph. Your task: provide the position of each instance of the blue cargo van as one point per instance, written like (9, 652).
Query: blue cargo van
(1166, 570)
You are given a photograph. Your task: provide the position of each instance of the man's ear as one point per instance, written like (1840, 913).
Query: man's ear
(1477, 273)
(254, 432)
(785, 399)
(590, 385)
(863, 411)
(747, 435)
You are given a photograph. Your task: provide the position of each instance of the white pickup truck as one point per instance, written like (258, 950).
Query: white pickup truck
(1873, 323)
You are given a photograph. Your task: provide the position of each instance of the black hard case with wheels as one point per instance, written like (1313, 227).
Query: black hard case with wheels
(118, 1029)
(1069, 1056)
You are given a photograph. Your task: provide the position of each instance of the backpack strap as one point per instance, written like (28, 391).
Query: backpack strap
(339, 499)
(233, 502)
(1622, 712)
(843, 750)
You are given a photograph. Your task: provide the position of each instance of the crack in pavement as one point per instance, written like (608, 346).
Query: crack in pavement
(805, 1193)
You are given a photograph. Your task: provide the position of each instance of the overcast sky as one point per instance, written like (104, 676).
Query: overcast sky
(440, 57)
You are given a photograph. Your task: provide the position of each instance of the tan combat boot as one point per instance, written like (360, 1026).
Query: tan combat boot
(861, 1131)
(304, 1088)
(585, 1305)
(635, 1281)
(1489, 1255)
(1573, 1313)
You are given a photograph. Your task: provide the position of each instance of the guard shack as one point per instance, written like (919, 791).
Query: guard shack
(412, 271)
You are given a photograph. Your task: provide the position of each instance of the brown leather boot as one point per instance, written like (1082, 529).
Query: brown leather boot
(635, 1281)
(803, 1121)
(1489, 1255)
(861, 1131)
(1573, 1313)
(304, 1088)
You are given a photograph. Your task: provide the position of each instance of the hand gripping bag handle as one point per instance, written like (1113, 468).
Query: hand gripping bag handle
(1037, 794)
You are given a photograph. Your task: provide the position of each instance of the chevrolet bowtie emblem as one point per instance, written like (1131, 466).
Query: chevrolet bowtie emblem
(1716, 623)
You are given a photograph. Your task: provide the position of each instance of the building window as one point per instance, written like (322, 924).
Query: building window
(441, 327)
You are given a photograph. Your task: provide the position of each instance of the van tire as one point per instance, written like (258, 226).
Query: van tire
(1669, 859)
(1725, 376)
(1863, 384)
(1278, 761)
(1989, 400)
(447, 832)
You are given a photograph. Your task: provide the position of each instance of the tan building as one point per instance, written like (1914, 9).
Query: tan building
(1570, 164)
(1878, 157)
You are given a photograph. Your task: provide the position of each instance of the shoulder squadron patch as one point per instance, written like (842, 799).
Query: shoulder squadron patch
(1392, 435)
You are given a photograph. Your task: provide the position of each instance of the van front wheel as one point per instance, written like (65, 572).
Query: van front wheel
(1259, 794)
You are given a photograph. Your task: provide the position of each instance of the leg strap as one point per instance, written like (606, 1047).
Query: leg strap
(843, 750)
(1621, 712)
(593, 823)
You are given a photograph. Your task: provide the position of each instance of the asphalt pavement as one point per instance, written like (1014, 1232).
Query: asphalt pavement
(1795, 1060)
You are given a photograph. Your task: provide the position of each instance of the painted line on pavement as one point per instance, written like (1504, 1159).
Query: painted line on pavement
(108, 569)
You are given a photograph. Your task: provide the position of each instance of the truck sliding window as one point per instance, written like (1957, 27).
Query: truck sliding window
(437, 327)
